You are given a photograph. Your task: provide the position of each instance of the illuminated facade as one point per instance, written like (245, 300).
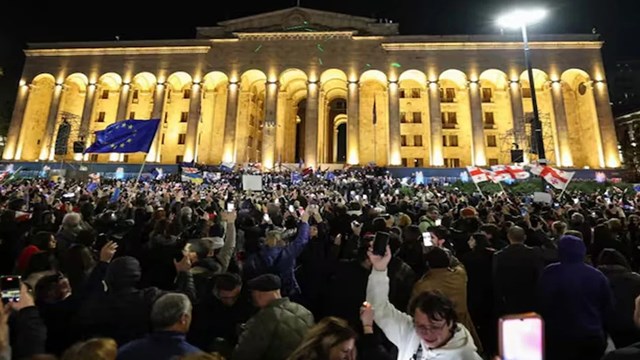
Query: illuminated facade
(324, 87)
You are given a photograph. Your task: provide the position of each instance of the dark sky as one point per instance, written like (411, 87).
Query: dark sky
(29, 21)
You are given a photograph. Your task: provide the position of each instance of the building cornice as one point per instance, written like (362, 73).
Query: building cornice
(156, 50)
(420, 46)
(315, 35)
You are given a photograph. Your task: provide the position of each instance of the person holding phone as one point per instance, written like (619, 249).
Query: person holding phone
(431, 327)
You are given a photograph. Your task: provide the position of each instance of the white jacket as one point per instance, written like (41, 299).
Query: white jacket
(398, 327)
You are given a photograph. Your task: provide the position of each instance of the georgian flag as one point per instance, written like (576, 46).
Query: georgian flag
(557, 178)
(478, 175)
(500, 173)
(517, 172)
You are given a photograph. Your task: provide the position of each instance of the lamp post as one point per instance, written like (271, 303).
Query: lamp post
(521, 19)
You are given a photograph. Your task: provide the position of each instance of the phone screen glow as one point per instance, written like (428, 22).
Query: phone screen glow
(522, 339)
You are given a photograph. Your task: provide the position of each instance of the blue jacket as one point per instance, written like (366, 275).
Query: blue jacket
(280, 260)
(575, 298)
(158, 345)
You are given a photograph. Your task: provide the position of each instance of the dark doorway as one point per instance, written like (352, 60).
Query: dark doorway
(300, 134)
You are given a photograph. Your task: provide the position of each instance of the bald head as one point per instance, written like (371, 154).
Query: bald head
(516, 235)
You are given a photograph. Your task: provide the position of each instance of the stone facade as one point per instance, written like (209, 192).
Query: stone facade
(322, 87)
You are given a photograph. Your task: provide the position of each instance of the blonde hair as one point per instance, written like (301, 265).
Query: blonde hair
(321, 338)
(274, 238)
(92, 349)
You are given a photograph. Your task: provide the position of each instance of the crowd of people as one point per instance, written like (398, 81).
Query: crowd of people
(173, 270)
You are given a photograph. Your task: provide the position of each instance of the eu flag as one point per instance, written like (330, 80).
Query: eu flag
(126, 136)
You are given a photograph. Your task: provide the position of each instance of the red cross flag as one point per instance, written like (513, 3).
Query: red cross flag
(557, 178)
(478, 175)
(517, 172)
(500, 173)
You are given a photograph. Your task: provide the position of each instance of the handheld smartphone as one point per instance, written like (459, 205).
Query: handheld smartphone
(438, 222)
(291, 209)
(380, 243)
(10, 288)
(266, 217)
(426, 239)
(231, 206)
(521, 337)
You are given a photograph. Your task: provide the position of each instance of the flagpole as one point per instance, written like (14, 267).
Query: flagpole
(478, 187)
(142, 167)
(565, 187)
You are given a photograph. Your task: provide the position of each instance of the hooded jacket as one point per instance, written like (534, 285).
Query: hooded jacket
(575, 298)
(398, 327)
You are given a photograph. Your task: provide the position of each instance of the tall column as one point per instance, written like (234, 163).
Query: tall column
(122, 114)
(11, 149)
(191, 142)
(45, 151)
(311, 126)
(606, 124)
(477, 126)
(435, 115)
(156, 113)
(394, 124)
(269, 129)
(353, 123)
(229, 151)
(123, 104)
(87, 111)
(282, 109)
(562, 127)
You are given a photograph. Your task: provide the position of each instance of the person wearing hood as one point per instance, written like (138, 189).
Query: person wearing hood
(119, 309)
(575, 301)
(429, 331)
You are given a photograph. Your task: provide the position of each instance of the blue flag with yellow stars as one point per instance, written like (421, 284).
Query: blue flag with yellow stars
(126, 136)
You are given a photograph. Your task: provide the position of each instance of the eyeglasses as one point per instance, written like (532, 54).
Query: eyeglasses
(429, 329)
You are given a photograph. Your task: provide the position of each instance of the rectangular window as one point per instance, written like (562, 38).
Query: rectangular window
(179, 159)
(453, 140)
(401, 93)
(452, 163)
(252, 120)
(489, 118)
(166, 115)
(184, 116)
(105, 94)
(445, 141)
(419, 162)
(526, 93)
(135, 97)
(182, 139)
(449, 120)
(491, 141)
(162, 141)
(447, 95)
(132, 115)
(186, 94)
(493, 162)
(93, 157)
(487, 95)
(417, 140)
(403, 117)
(403, 140)
(101, 116)
(250, 141)
(417, 118)
(404, 162)
(125, 158)
(415, 93)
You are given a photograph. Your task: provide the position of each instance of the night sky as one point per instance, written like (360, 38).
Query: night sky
(616, 20)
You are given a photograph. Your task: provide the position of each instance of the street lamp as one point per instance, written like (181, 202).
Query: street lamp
(521, 19)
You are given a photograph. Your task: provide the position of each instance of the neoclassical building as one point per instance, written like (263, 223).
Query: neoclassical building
(324, 87)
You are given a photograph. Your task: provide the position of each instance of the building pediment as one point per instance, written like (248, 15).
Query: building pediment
(299, 19)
